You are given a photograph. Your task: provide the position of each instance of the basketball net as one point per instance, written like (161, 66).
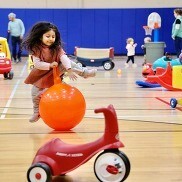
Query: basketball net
(148, 30)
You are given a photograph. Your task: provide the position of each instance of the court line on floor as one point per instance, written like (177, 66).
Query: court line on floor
(3, 115)
(178, 108)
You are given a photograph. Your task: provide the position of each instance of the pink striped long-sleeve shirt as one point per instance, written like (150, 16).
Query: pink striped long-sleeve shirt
(41, 65)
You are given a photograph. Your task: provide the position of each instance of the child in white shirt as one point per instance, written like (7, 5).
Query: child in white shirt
(130, 52)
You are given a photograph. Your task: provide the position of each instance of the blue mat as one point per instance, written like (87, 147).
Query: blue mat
(145, 84)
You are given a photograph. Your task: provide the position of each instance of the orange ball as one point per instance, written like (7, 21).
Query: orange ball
(62, 107)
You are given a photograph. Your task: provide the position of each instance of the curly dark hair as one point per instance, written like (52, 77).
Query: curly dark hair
(33, 41)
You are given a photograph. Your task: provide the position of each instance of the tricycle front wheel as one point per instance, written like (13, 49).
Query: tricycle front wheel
(39, 172)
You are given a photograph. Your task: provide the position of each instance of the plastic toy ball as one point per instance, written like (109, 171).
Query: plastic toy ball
(62, 106)
(119, 71)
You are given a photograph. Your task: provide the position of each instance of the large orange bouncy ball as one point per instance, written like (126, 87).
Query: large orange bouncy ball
(62, 107)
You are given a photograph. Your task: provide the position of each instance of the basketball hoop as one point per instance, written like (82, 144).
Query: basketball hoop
(148, 30)
(154, 21)
(156, 25)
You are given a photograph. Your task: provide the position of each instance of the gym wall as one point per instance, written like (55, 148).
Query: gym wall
(80, 4)
(94, 24)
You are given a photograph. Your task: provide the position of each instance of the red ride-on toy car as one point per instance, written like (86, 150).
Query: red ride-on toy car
(56, 157)
(5, 59)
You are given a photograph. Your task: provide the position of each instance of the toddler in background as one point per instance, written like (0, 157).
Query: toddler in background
(130, 46)
(146, 40)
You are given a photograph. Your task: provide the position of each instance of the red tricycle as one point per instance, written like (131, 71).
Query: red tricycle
(5, 59)
(58, 158)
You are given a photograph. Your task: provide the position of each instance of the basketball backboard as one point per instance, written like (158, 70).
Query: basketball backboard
(154, 20)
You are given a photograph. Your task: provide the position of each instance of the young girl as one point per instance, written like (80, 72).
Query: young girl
(44, 44)
(130, 52)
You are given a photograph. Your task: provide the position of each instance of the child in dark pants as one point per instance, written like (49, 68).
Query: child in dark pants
(130, 46)
(146, 40)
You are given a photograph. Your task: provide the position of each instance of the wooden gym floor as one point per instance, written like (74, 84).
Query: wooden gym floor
(149, 128)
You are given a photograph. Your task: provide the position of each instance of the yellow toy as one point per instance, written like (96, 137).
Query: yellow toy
(4, 47)
(5, 59)
(177, 83)
(119, 71)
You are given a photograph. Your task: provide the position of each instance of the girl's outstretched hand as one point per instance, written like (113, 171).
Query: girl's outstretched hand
(71, 75)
